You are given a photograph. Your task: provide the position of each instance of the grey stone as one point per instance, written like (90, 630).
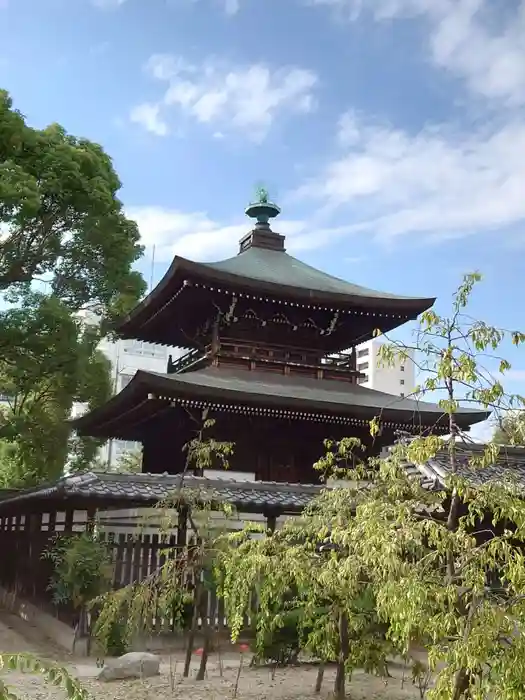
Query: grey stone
(136, 664)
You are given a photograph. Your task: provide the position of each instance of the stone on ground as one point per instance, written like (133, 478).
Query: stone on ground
(136, 664)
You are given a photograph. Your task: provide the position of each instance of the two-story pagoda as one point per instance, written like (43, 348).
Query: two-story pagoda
(265, 335)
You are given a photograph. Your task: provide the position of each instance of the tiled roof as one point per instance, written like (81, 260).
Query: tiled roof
(228, 388)
(151, 488)
(264, 272)
(508, 467)
(278, 268)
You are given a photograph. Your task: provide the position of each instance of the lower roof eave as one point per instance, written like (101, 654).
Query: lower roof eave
(106, 490)
(277, 395)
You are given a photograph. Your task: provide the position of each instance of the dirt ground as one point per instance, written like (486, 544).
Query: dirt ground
(254, 684)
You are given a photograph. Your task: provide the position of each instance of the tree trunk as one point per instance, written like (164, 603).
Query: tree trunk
(206, 646)
(463, 678)
(193, 629)
(319, 679)
(340, 676)
(205, 653)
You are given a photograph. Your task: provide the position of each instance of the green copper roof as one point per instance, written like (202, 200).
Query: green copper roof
(279, 268)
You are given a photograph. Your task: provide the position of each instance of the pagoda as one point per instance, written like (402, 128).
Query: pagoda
(269, 354)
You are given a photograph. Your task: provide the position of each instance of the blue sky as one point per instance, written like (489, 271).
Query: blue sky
(392, 132)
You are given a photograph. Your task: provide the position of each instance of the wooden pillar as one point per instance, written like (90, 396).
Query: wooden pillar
(68, 521)
(91, 519)
(271, 522)
(33, 581)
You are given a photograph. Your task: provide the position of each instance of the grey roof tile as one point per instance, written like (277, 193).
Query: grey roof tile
(151, 488)
(508, 467)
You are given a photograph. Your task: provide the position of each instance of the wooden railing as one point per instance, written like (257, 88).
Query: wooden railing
(268, 355)
(185, 361)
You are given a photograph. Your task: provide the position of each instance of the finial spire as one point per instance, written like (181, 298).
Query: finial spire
(262, 209)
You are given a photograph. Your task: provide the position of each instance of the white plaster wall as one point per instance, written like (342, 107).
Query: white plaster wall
(398, 379)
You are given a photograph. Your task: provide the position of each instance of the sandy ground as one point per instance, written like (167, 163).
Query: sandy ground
(254, 684)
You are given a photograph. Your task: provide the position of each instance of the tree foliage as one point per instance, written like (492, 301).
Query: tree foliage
(82, 569)
(130, 462)
(511, 429)
(62, 225)
(53, 674)
(61, 219)
(42, 380)
(442, 567)
(180, 582)
(298, 576)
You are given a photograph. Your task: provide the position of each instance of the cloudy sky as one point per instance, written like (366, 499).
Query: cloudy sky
(392, 132)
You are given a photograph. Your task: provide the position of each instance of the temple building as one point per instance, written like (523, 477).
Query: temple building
(265, 336)
(266, 339)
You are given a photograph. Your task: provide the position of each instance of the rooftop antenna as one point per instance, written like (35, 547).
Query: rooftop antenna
(152, 268)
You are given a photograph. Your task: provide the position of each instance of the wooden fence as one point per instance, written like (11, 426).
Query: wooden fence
(137, 551)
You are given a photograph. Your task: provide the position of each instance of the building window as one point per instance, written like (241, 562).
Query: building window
(402, 368)
(123, 446)
(402, 395)
(362, 353)
(362, 380)
(142, 349)
(362, 366)
(401, 381)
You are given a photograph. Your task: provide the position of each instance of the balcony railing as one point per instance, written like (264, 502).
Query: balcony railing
(266, 356)
(185, 361)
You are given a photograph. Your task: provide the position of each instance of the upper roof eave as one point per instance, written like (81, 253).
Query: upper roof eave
(180, 268)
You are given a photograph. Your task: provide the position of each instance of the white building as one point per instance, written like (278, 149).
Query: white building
(126, 357)
(399, 379)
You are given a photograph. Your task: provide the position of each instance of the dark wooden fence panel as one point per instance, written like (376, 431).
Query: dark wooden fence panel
(135, 556)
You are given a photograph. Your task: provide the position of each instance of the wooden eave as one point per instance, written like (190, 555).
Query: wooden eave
(185, 273)
(253, 393)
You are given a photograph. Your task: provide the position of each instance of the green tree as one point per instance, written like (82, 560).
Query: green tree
(61, 219)
(166, 593)
(62, 366)
(302, 581)
(448, 565)
(445, 565)
(511, 429)
(130, 462)
(82, 571)
(61, 223)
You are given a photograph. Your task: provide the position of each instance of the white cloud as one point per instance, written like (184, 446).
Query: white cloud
(107, 4)
(441, 182)
(196, 236)
(148, 116)
(433, 182)
(231, 7)
(246, 99)
(466, 38)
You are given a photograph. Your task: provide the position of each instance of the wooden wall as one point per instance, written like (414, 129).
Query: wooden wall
(274, 449)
